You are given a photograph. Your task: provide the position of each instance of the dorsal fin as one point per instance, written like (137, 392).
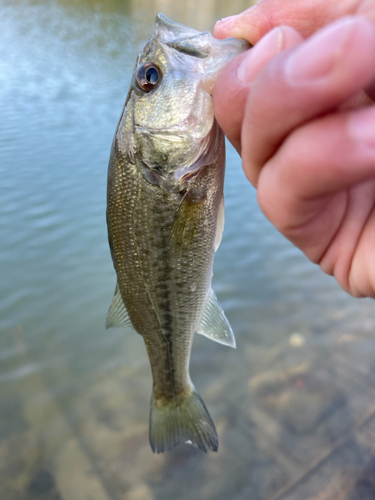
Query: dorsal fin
(118, 315)
(215, 325)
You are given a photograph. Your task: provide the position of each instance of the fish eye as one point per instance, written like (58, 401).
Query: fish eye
(148, 76)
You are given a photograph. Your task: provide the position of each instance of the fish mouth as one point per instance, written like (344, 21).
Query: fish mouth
(168, 30)
(206, 55)
(201, 45)
(212, 55)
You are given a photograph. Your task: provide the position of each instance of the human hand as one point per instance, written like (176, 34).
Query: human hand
(282, 106)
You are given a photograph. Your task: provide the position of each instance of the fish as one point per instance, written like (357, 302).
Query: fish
(165, 218)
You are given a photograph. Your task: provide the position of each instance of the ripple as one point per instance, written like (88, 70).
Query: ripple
(20, 373)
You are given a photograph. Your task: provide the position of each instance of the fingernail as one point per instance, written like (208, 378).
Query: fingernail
(227, 20)
(316, 57)
(362, 127)
(268, 47)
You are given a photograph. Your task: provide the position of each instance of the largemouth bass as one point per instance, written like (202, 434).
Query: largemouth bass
(165, 217)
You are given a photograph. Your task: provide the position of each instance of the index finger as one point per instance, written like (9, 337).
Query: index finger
(305, 17)
(303, 83)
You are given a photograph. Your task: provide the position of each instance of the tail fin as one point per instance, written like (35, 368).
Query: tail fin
(181, 420)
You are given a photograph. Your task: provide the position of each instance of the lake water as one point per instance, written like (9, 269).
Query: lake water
(294, 405)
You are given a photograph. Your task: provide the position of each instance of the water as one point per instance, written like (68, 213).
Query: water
(293, 404)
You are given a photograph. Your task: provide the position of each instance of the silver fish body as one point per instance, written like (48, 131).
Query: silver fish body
(165, 218)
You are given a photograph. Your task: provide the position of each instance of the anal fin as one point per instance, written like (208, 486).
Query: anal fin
(215, 325)
(118, 315)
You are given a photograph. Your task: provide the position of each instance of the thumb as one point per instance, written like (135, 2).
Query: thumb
(234, 83)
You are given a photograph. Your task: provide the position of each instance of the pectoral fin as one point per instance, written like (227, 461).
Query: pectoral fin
(188, 218)
(118, 315)
(215, 325)
(220, 224)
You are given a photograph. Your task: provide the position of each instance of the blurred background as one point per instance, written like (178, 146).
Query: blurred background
(293, 405)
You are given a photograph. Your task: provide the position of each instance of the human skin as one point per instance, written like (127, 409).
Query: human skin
(298, 112)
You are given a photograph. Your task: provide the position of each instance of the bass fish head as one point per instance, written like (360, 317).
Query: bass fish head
(168, 120)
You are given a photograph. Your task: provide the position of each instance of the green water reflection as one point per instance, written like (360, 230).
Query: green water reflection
(293, 405)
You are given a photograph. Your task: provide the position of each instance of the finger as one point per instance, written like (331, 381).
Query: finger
(305, 82)
(233, 85)
(305, 17)
(303, 189)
